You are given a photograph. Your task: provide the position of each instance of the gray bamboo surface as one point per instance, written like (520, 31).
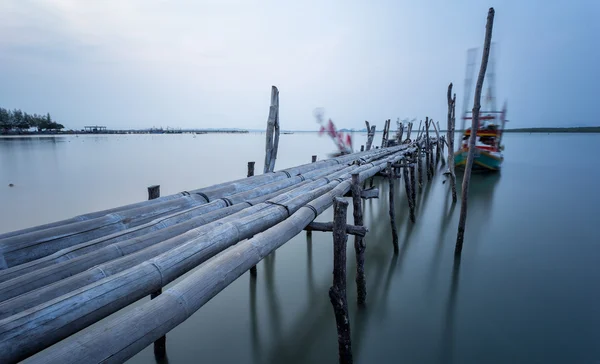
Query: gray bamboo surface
(53, 309)
(120, 337)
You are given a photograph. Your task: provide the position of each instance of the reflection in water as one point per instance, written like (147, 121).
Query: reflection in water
(272, 299)
(254, 329)
(309, 267)
(447, 350)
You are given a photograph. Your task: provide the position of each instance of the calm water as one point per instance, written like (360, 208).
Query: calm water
(525, 291)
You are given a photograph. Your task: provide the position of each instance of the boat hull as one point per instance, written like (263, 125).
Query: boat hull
(483, 159)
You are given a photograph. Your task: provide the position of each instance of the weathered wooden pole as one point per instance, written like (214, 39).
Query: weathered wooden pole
(410, 125)
(413, 186)
(337, 292)
(160, 345)
(429, 149)
(359, 243)
(399, 132)
(370, 135)
(386, 133)
(438, 144)
(392, 208)
(408, 189)
(419, 165)
(314, 158)
(272, 142)
(450, 134)
(250, 174)
(474, 126)
(362, 148)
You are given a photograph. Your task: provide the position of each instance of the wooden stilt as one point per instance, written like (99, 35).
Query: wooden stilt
(337, 292)
(450, 134)
(407, 187)
(160, 345)
(250, 174)
(413, 190)
(419, 165)
(392, 209)
(474, 126)
(359, 243)
(314, 158)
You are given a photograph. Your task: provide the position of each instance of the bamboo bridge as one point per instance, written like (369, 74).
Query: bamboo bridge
(59, 278)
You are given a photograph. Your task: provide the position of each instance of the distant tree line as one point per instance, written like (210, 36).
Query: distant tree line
(22, 121)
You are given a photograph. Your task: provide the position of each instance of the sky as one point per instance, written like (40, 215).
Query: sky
(211, 64)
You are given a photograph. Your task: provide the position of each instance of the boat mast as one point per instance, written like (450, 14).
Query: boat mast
(471, 54)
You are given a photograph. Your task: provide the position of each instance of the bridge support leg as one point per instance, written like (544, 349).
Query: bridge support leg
(160, 345)
(337, 292)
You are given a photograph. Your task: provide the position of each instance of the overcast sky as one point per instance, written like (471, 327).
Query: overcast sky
(197, 64)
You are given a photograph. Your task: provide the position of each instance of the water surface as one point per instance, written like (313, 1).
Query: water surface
(525, 290)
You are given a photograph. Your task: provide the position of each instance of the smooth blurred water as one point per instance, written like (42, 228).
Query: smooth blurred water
(525, 290)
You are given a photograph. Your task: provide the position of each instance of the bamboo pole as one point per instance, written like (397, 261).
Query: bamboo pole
(392, 208)
(450, 134)
(337, 292)
(78, 309)
(474, 126)
(359, 244)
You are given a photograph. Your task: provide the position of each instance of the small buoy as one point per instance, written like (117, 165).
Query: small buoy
(10, 185)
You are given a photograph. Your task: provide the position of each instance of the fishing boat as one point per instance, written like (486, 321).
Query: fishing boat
(488, 136)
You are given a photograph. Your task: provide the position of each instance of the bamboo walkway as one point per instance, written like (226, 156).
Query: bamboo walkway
(60, 278)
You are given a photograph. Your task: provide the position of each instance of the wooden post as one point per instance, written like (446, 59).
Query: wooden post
(474, 126)
(428, 156)
(386, 132)
(419, 165)
(370, 135)
(392, 208)
(314, 158)
(399, 131)
(410, 125)
(450, 134)
(413, 186)
(439, 144)
(160, 345)
(250, 174)
(153, 192)
(337, 292)
(359, 244)
(272, 142)
(407, 187)
(362, 148)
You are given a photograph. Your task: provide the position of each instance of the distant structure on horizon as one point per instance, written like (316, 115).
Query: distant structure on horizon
(95, 129)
